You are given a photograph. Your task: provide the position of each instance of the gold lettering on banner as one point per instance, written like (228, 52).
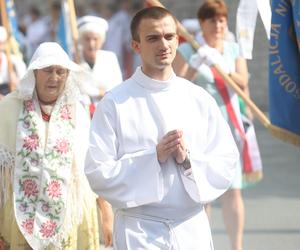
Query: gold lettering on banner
(273, 47)
(275, 29)
(279, 69)
(284, 78)
(291, 87)
(277, 61)
(282, 8)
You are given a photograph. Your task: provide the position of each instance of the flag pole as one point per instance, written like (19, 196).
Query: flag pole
(6, 25)
(74, 29)
(189, 38)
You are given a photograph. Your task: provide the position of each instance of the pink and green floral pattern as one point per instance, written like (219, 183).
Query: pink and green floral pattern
(62, 146)
(54, 189)
(31, 142)
(29, 187)
(48, 229)
(28, 225)
(65, 112)
(43, 171)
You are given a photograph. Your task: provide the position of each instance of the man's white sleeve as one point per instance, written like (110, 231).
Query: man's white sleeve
(212, 169)
(125, 181)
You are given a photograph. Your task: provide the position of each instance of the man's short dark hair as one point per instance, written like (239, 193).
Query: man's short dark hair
(156, 13)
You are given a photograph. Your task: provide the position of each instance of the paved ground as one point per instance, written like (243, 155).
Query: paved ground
(273, 205)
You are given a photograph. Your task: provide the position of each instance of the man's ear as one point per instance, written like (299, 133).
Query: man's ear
(135, 46)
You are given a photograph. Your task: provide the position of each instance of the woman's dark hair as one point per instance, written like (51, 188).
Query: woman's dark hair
(212, 8)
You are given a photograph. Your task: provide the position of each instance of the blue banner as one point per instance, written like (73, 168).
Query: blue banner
(64, 29)
(62, 33)
(284, 70)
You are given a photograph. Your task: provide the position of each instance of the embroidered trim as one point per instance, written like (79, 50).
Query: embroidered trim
(42, 173)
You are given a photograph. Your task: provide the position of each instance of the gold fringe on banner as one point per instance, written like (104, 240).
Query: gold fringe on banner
(285, 135)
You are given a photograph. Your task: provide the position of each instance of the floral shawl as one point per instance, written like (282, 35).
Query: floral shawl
(43, 170)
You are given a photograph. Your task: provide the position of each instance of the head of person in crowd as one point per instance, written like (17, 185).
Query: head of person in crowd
(53, 20)
(92, 33)
(3, 38)
(212, 16)
(55, 9)
(34, 13)
(154, 38)
(50, 74)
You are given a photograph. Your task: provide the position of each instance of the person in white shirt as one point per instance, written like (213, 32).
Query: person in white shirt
(118, 37)
(104, 73)
(36, 32)
(9, 77)
(159, 147)
(103, 66)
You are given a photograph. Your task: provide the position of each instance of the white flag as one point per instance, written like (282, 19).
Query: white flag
(246, 21)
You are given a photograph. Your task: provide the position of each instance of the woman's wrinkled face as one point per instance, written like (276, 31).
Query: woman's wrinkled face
(91, 42)
(214, 28)
(50, 83)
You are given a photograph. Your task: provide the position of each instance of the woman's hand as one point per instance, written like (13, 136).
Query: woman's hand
(107, 221)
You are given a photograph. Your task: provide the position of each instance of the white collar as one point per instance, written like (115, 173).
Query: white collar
(152, 84)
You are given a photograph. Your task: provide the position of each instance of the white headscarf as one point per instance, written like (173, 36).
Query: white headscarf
(48, 54)
(93, 24)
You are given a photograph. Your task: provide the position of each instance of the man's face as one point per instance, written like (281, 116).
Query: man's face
(50, 83)
(91, 43)
(157, 45)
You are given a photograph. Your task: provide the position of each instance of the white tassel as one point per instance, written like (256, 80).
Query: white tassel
(7, 163)
(74, 204)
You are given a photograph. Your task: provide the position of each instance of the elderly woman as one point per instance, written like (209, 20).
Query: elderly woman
(103, 66)
(45, 199)
(216, 49)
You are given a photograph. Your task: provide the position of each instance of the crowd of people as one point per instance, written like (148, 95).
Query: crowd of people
(104, 151)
